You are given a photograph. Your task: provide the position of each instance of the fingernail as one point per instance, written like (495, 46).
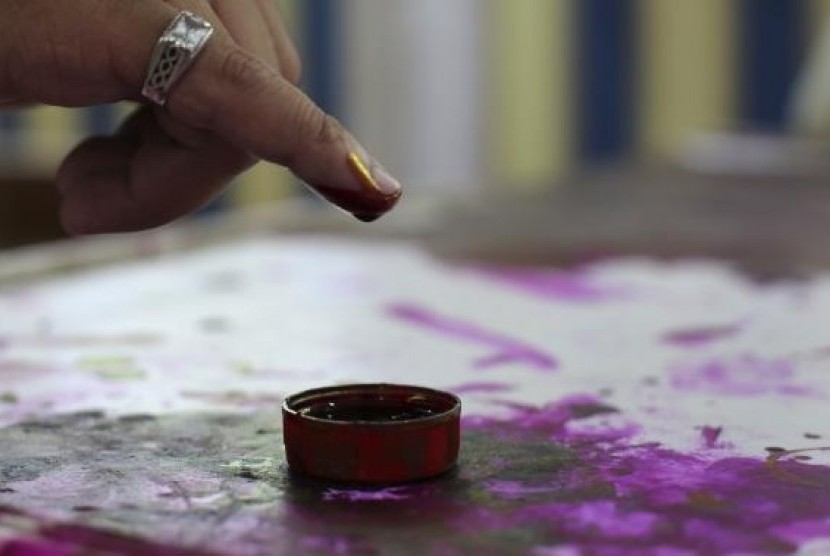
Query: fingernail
(372, 191)
(372, 175)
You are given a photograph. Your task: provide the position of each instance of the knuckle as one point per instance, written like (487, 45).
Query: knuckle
(233, 71)
(244, 71)
(320, 129)
(329, 131)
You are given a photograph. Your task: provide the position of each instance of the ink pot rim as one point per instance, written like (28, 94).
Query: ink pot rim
(363, 451)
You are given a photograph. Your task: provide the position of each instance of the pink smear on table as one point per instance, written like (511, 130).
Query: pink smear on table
(319, 544)
(574, 286)
(566, 420)
(696, 337)
(800, 530)
(710, 435)
(745, 375)
(582, 519)
(367, 495)
(621, 499)
(509, 490)
(39, 537)
(506, 350)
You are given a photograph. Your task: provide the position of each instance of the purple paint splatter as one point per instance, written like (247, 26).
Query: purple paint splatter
(620, 499)
(571, 286)
(697, 337)
(367, 495)
(710, 435)
(508, 350)
(583, 519)
(566, 420)
(31, 547)
(41, 537)
(746, 375)
(334, 545)
(516, 489)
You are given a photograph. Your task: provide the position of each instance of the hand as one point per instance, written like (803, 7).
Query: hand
(237, 103)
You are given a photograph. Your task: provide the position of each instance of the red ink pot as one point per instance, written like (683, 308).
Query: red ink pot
(372, 433)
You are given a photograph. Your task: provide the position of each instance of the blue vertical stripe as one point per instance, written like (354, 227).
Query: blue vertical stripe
(11, 127)
(606, 65)
(100, 120)
(772, 45)
(9, 121)
(322, 47)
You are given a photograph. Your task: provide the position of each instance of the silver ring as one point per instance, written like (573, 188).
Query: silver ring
(175, 52)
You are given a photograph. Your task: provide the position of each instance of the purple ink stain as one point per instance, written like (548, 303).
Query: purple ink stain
(583, 519)
(795, 532)
(367, 495)
(516, 489)
(710, 435)
(697, 337)
(746, 375)
(334, 545)
(480, 388)
(571, 286)
(507, 350)
(40, 537)
(28, 547)
(564, 420)
(617, 498)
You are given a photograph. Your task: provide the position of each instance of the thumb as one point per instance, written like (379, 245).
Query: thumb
(242, 98)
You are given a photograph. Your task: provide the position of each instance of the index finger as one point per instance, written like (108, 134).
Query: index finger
(246, 101)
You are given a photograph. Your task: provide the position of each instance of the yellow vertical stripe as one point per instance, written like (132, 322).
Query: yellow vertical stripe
(530, 96)
(262, 184)
(266, 183)
(809, 110)
(290, 15)
(123, 111)
(48, 134)
(688, 70)
(818, 17)
(819, 13)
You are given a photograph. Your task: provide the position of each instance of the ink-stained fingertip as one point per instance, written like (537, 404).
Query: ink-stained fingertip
(367, 217)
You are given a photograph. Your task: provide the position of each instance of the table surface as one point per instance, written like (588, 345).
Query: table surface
(644, 370)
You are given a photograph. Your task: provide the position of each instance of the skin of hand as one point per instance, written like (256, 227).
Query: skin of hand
(238, 103)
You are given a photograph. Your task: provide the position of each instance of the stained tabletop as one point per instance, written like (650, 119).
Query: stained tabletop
(624, 404)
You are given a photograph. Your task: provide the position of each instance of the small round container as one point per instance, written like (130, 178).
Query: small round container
(371, 433)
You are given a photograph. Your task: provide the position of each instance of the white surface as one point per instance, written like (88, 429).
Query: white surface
(311, 312)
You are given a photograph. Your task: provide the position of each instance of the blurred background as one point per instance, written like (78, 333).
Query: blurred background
(513, 95)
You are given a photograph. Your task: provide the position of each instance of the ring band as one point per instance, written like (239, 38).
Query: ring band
(175, 52)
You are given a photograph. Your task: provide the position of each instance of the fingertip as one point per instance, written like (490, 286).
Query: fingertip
(235, 95)
(367, 218)
(79, 212)
(78, 220)
(366, 189)
(71, 224)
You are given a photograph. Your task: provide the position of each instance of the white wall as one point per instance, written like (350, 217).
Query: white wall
(414, 87)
